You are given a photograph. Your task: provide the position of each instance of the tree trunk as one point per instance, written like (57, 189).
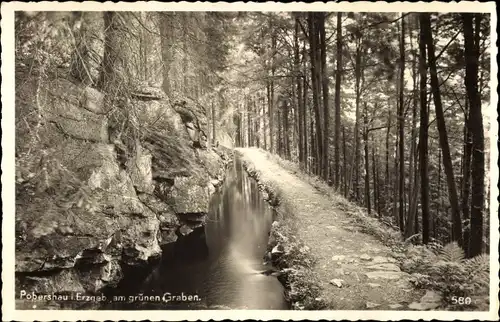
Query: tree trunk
(395, 190)
(313, 162)
(84, 67)
(315, 65)
(304, 107)
(387, 185)
(268, 96)
(412, 223)
(401, 127)
(466, 172)
(287, 131)
(413, 149)
(423, 133)
(438, 201)
(326, 108)
(273, 70)
(185, 62)
(376, 184)
(476, 126)
(113, 82)
(237, 123)
(264, 126)
(443, 135)
(367, 160)
(345, 163)
(300, 102)
(279, 144)
(357, 71)
(256, 107)
(338, 78)
(249, 122)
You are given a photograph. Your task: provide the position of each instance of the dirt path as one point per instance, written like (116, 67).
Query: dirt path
(356, 270)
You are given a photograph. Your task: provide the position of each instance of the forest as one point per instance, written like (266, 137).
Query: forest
(390, 110)
(385, 107)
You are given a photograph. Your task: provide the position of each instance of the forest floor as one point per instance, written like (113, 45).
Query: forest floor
(354, 267)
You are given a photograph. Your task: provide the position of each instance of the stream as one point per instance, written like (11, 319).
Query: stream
(220, 265)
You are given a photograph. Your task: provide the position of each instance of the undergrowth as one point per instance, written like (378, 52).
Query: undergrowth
(446, 270)
(437, 267)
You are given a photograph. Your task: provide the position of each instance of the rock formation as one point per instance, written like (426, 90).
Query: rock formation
(86, 206)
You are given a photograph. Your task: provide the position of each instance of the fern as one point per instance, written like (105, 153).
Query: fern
(452, 253)
(478, 268)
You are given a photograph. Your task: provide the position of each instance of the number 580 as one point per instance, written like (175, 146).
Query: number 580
(461, 300)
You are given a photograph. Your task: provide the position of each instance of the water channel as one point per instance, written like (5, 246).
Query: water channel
(219, 265)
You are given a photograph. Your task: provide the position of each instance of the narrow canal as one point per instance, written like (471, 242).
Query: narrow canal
(220, 265)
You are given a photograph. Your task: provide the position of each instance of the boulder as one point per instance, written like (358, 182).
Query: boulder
(169, 223)
(184, 230)
(92, 100)
(213, 164)
(159, 113)
(65, 105)
(168, 236)
(94, 278)
(140, 170)
(98, 211)
(66, 280)
(337, 282)
(194, 117)
(139, 240)
(189, 195)
(156, 205)
(172, 155)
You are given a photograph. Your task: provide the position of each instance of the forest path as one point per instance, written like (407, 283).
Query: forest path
(357, 271)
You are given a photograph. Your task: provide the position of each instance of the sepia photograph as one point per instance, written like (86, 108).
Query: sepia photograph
(257, 159)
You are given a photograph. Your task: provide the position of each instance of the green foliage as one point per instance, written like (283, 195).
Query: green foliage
(452, 253)
(42, 38)
(296, 266)
(303, 290)
(447, 271)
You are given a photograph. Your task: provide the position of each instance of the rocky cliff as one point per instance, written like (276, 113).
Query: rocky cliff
(86, 204)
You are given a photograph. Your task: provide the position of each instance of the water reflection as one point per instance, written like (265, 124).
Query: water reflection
(221, 262)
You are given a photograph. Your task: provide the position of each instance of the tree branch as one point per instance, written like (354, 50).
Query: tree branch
(376, 128)
(448, 44)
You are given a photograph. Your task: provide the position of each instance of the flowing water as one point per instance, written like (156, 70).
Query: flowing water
(219, 265)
